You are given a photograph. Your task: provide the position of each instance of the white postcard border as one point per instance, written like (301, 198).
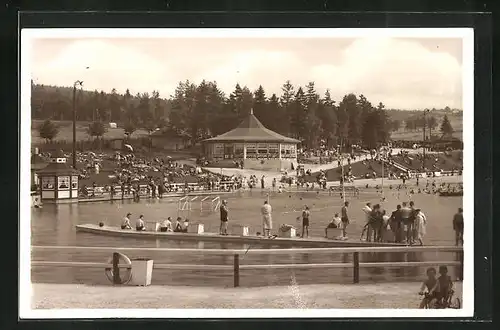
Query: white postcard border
(25, 288)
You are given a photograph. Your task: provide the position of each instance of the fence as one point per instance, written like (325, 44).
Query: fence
(237, 258)
(116, 191)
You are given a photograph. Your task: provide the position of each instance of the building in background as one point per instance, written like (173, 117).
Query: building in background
(58, 181)
(255, 145)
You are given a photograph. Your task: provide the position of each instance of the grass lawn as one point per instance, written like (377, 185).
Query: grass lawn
(66, 131)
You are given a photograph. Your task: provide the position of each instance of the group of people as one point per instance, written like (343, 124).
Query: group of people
(339, 222)
(165, 226)
(407, 224)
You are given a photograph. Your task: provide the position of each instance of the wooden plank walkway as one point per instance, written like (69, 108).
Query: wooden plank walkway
(213, 237)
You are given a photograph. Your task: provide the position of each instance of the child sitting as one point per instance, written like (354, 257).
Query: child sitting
(432, 286)
(445, 285)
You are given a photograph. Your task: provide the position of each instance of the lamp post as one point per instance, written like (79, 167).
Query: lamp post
(423, 141)
(382, 154)
(77, 83)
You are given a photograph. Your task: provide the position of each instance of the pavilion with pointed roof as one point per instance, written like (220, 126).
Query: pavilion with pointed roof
(255, 145)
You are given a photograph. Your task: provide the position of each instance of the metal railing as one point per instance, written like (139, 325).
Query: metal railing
(237, 253)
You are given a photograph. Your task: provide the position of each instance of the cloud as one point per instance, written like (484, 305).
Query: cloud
(401, 73)
(109, 67)
(253, 68)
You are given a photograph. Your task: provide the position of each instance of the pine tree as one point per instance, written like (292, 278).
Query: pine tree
(312, 122)
(48, 130)
(278, 122)
(286, 101)
(328, 118)
(260, 107)
(446, 128)
(114, 106)
(298, 115)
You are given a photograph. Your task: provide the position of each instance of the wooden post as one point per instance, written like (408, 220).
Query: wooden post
(356, 267)
(236, 270)
(116, 269)
(461, 270)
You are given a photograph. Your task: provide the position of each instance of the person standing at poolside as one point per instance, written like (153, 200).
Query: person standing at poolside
(267, 220)
(345, 218)
(306, 214)
(406, 220)
(420, 224)
(458, 226)
(385, 234)
(367, 209)
(224, 217)
(395, 223)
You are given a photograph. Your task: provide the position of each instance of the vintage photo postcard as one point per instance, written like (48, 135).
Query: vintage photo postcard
(229, 173)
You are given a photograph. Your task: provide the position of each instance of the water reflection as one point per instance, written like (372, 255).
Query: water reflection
(346, 258)
(413, 257)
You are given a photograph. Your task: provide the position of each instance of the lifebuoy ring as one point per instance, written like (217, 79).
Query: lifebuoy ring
(125, 276)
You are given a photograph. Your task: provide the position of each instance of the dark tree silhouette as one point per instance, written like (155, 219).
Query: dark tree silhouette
(48, 130)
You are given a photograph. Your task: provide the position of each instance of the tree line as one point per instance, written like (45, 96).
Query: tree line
(202, 110)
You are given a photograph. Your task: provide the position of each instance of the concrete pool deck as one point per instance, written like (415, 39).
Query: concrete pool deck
(296, 296)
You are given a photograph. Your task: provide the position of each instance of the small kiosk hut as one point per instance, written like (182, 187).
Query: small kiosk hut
(58, 181)
(256, 146)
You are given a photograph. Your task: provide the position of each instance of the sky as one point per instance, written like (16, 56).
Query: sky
(402, 73)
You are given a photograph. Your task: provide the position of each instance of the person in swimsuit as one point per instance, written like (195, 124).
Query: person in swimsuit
(306, 214)
(126, 222)
(445, 285)
(166, 225)
(458, 226)
(345, 219)
(178, 226)
(224, 218)
(432, 286)
(139, 224)
(406, 214)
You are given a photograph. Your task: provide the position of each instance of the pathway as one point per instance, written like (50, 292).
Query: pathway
(379, 295)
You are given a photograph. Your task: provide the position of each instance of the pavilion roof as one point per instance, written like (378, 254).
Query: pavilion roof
(251, 130)
(57, 168)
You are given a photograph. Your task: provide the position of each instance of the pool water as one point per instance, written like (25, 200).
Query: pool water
(55, 225)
